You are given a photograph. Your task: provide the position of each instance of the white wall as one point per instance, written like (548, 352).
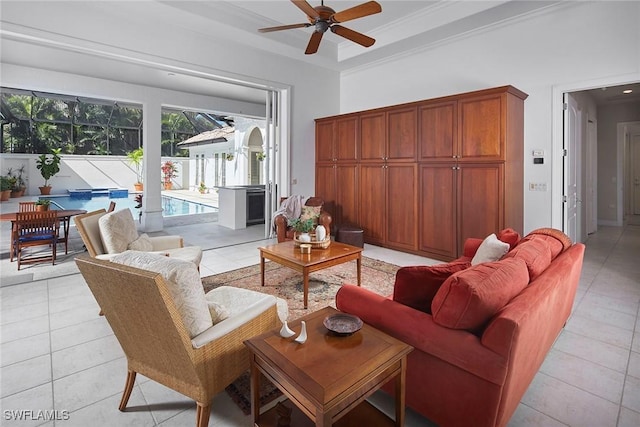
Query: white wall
(577, 42)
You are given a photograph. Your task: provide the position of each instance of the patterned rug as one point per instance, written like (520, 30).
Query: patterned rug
(377, 276)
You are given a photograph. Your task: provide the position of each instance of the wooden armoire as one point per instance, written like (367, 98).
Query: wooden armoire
(422, 177)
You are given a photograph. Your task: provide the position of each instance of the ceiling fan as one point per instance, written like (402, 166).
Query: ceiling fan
(324, 18)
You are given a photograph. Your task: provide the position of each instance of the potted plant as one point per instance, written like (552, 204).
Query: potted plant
(202, 188)
(138, 200)
(5, 188)
(42, 204)
(19, 184)
(260, 156)
(230, 156)
(302, 228)
(49, 165)
(135, 159)
(169, 171)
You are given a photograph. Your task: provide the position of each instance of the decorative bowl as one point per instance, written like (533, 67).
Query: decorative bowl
(342, 324)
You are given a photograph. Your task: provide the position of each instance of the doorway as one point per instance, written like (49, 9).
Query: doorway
(604, 183)
(635, 173)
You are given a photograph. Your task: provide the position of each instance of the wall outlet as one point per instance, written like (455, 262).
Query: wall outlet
(294, 181)
(537, 186)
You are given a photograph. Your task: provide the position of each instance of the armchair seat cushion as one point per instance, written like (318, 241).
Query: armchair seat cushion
(192, 254)
(184, 285)
(242, 305)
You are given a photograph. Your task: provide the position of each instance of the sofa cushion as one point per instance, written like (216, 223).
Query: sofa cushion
(491, 249)
(555, 237)
(470, 298)
(417, 285)
(183, 282)
(536, 252)
(117, 230)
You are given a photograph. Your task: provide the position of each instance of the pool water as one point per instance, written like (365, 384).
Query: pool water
(170, 205)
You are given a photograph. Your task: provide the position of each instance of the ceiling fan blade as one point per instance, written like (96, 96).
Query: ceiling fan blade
(354, 36)
(364, 9)
(284, 27)
(306, 8)
(314, 42)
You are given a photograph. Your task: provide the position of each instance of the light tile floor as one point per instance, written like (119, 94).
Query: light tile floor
(56, 353)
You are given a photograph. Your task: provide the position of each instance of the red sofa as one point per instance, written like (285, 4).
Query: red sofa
(480, 332)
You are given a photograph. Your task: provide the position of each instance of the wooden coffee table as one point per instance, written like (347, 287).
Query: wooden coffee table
(328, 377)
(287, 254)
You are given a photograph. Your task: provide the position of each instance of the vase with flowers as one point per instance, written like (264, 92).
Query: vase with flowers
(169, 171)
(302, 228)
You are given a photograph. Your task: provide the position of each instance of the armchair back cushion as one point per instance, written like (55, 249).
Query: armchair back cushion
(470, 298)
(183, 282)
(117, 230)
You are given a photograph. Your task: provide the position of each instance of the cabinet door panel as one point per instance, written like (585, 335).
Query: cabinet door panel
(480, 200)
(372, 202)
(347, 193)
(437, 131)
(437, 207)
(346, 139)
(326, 187)
(372, 137)
(481, 128)
(402, 221)
(402, 134)
(324, 140)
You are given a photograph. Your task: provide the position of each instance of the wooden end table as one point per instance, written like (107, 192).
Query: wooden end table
(287, 254)
(328, 377)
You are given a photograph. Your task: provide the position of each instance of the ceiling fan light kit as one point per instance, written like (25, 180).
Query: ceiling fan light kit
(323, 18)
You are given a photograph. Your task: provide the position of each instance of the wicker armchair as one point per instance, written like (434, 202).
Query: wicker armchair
(144, 318)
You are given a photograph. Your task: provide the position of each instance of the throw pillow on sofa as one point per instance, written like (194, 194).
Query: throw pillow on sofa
(491, 249)
(183, 282)
(510, 236)
(470, 298)
(416, 286)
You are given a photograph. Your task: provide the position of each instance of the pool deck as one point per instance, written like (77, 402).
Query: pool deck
(209, 199)
(197, 230)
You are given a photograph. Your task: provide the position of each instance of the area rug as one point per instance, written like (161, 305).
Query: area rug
(377, 276)
(240, 392)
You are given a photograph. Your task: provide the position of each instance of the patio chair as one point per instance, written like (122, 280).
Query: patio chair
(106, 234)
(144, 313)
(35, 229)
(26, 206)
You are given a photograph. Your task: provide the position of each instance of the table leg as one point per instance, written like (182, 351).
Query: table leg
(305, 281)
(255, 391)
(261, 270)
(400, 398)
(359, 264)
(65, 224)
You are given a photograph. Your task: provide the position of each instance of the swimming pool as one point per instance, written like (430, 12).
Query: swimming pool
(170, 205)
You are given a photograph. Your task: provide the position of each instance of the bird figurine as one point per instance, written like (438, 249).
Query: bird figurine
(285, 332)
(303, 334)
